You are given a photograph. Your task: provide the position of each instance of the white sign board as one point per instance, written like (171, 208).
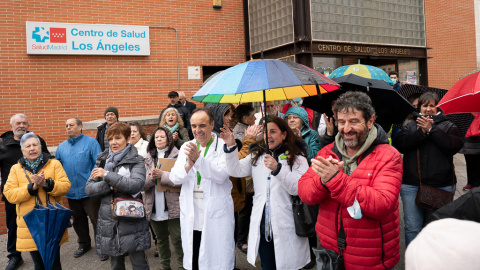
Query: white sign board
(87, 39)
(194, 72)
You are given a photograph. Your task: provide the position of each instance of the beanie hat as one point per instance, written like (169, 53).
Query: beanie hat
(445, 244)
(111, 109)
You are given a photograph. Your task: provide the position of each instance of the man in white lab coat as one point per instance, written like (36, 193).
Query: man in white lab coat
(206, 205)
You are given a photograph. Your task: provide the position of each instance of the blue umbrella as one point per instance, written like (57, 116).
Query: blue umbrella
(47, 226)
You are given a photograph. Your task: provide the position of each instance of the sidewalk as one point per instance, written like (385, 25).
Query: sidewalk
(90, 259)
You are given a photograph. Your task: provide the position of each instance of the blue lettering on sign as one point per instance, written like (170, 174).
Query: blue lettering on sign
(117, 47)
(132, 34)
(82, 46)
(91, 33)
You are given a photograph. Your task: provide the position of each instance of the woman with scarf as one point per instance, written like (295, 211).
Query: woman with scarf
(123, 175)
(428, 144)
(275, 176)
(173, 122)
(163, 207)
(36, 175)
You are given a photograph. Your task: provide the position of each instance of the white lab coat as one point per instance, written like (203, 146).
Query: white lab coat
(291, 251)
(217, 247)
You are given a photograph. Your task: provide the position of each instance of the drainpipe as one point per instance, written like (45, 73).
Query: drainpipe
(176, 39)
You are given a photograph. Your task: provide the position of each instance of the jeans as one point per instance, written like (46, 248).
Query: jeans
(413, 215)
(38, 262)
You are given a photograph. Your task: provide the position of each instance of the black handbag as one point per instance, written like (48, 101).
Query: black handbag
(429, 197)
(328, 259)
(304, 216)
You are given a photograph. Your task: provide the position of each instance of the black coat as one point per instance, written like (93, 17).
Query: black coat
(10, 153)
(436, 152)
(190, 106)
(101, 135)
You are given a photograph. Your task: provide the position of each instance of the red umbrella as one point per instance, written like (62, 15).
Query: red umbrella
(464, 96)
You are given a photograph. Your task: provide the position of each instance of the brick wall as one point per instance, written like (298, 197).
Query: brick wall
(49, 89)
(450, 30)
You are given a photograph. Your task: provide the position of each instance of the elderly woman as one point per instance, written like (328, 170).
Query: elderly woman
(173, 122)
(284, 164)
(138, 138)
(122, 176)
(35, 175)
(435, 140)
(162, 207)
(297, 119)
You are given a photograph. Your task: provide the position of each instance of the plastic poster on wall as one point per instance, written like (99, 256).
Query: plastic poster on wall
(411, 77)
(87, 39)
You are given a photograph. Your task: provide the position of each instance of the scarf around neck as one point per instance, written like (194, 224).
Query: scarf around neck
(33, 165)
(172, 129)
(350, 163)
(114, 158)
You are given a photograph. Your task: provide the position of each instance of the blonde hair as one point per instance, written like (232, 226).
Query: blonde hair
(164, 115)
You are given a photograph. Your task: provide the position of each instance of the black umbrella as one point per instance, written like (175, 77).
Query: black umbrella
(390, 107)
(461, 120)
(467, 207)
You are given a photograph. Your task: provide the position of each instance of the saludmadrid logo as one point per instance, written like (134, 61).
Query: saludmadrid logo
(53, 35)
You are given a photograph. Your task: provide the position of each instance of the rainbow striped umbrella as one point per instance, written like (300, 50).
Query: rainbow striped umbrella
(249, 81)
(365, 71)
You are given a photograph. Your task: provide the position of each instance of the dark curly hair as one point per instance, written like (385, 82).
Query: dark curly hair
(291, 143)
(355, 100)
(152, 149)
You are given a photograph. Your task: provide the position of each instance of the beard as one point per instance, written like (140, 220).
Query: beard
(358, 140)
(19, 132)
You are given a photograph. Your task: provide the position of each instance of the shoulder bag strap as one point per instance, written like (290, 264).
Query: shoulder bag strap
(342, 238)
(37, 199)
(418, 162)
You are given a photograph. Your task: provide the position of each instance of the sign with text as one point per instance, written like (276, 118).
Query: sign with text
(87, 39)
(367, 49)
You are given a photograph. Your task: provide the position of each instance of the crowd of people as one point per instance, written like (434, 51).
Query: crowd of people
(233, 181)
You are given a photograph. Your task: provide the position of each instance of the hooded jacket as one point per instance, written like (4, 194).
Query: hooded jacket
(218, 110)
(19, 191)
(436, 152)
(309, 135)
(117, 237)
(10, 153)
(373, 241)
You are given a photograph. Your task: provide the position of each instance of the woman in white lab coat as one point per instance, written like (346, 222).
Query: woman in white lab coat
(284, 165)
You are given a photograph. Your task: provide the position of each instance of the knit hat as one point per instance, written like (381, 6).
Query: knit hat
(111, 109)
(445, 244)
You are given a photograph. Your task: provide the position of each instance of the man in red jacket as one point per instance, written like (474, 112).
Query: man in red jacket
(356, 181)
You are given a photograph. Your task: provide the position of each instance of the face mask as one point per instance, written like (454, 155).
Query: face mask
(354, 210)
(394, 81)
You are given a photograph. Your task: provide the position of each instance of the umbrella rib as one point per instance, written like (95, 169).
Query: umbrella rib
(450, 100)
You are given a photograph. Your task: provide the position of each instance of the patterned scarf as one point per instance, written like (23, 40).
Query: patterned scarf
(33, 165)
(172, 129)
(114, 158)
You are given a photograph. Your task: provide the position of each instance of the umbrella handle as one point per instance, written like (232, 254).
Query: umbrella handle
(265, 120)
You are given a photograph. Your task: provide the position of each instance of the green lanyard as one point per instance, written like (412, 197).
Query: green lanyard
(199, 177)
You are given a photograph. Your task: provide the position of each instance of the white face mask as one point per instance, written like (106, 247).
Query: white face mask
(394, 81)
(354, 210)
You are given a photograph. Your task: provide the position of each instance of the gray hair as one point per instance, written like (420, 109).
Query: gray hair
(181, 93)
(28, 136)
(21, 115)
(77, 121)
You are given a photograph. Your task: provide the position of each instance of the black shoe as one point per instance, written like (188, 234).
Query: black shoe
(14, 263)
(310, 265)
(242, 249)
(103, 257)
(156, 254)
(80, 251)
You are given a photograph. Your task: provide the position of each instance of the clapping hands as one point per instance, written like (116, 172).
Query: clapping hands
(326, 168)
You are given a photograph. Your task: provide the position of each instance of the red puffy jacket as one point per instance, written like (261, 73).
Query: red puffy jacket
(373, 242)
